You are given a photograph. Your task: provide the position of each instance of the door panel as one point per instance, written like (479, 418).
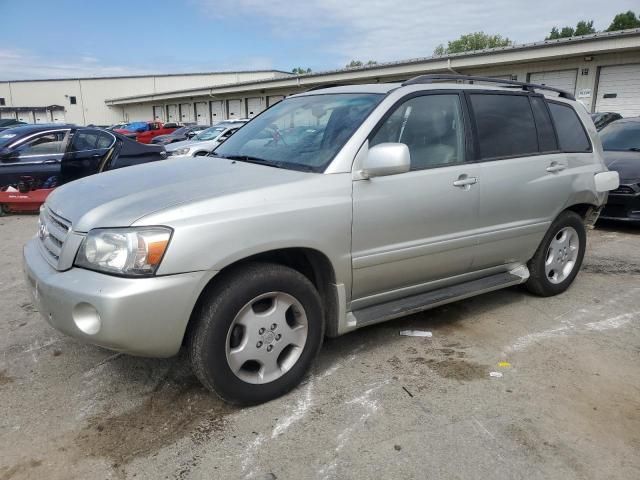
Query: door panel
(416, 227)
(412, 228)
(234, 107)
(186, 112)
(37, 156)
(85, 153)
(202, 115)
(172, 113)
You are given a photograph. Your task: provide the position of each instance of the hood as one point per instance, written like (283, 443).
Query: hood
(191, 144)
(627, 164)
(120, 197)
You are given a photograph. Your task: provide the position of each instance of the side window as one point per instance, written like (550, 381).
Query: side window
(105, 140)
(50, 143)
(546, 134)
(571, 134)
(84, 140)
(504, 124)
(431, 126)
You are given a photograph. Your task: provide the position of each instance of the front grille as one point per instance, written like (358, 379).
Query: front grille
(52, 232)
(623, 190)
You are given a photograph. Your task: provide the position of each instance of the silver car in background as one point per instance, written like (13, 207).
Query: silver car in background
(206, 141)
(332, 210)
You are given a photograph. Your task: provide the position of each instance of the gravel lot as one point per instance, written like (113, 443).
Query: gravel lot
(377, 405)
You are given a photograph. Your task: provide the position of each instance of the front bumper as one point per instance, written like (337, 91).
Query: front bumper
(622, 207)
(139, 316)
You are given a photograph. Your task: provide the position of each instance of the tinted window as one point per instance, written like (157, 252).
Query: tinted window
(571, 134)
(90, 140)
(505, 125)
(546, 135)
(431, 126)
(621, 136)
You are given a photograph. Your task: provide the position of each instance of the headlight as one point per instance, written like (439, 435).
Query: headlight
(124, 251)
(180, 151)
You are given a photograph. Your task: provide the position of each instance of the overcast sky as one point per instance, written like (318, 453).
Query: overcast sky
(61, 38)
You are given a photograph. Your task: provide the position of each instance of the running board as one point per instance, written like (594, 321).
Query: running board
(425, 301)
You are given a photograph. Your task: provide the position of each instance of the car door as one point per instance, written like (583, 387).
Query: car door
(525, 179)
(87, 149)
(37, 156)
(415, 228)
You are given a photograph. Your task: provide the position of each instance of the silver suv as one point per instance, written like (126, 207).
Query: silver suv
(335, 209)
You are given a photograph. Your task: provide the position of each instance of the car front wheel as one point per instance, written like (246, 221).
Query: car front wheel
(257, 332)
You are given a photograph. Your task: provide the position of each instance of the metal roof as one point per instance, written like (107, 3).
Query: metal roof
(381, 66)
(150, 75)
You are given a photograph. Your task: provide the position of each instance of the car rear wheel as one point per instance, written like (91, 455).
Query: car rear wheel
(256, 334)
(559, 257)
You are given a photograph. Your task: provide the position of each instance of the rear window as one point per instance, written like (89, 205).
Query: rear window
(571, 134)
(504, 124)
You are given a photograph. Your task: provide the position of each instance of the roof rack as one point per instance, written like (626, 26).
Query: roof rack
(529, 87)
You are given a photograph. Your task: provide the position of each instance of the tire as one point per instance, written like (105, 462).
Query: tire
(234, 324)
(559, 257)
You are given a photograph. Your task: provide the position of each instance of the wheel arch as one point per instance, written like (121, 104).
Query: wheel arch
(310, 262)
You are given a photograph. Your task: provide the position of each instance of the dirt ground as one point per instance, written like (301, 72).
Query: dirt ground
(563, 401)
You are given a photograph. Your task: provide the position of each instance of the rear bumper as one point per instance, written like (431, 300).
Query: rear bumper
(139, 316)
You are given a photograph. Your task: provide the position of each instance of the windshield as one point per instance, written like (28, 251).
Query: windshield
(621, 136)
(301, 133)
(180, 131)
(210, 133)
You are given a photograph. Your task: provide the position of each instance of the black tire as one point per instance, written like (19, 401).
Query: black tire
(538, 282)
(221, 303)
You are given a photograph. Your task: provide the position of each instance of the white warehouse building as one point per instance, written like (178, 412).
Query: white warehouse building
(83, 100)
(602, 70)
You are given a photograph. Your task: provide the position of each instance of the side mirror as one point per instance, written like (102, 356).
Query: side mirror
(191, 134)
(386, 159)
(7, 155)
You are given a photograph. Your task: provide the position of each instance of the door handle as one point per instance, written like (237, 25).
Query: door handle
(464, 181)
(50, 161)
(555, 167)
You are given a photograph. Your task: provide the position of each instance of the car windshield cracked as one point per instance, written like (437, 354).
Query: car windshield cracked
(304, 133)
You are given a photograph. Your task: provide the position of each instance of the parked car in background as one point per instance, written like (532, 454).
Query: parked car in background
(602, 119)
(54, 154)
(7, 123)
(204, 142)
(621, 144)
(144, 132)
(183, 133)
(332, 210)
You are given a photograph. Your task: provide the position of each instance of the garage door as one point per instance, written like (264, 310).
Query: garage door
(202, 115)
(254, 106)
(172, 113)
(57, 116)
(619, 90)
(234, 108)
(563, 79)
(7, 114)
(158, 113)
(42, 117)
(217, 111)
(186, 112)
(273, 99)
(26, 116)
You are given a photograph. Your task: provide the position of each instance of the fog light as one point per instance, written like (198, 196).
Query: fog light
(87, 318)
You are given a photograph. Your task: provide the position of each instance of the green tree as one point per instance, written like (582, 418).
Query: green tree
(300, 70)
(354, 64)
(583, 27)
(472, 41)
(623, 21)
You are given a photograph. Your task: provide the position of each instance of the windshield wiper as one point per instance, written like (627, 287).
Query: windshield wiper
(256, 160)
